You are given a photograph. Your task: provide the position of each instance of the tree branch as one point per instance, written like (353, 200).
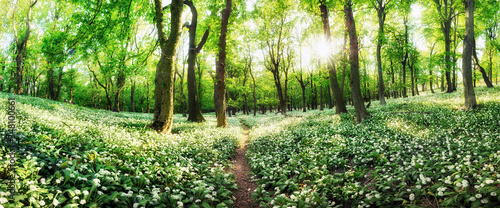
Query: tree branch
(202, 41)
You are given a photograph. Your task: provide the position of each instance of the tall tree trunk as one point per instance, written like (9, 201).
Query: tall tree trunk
(393, 81)
(359, 106)
(416, 85)
(412, 77)
(279, 89)
(59, 83)
(447, 59)
(194, 107)
(132, 96)
(330, 102)
(181, 86)
(337, 91)
(381, 19)
(164, 80)
(199, 90)
(320, 97)
(220, 83)
(431, 67)
(469, 95)
(253, 88)
(404, 62)
(442, 82)
(405, 59)
(20, 51)
(120, 83)
(446, 12)
(304, 104)
(303, 87)
(453, 58)
(51, 82)
(491, 63)
(474, 76)
(147, 97)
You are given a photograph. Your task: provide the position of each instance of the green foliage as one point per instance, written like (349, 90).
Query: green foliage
(422, 151)
(76, 156)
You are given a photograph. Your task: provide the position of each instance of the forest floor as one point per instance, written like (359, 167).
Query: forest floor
(241, 171)
(421, 151)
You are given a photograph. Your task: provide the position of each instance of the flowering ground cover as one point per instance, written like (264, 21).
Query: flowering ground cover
(71, 156)
(415, 152)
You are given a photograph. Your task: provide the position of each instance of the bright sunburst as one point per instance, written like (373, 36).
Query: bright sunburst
(323, 48)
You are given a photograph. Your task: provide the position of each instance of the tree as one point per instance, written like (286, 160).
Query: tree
(446, 12)
(253, 87)
(220, 83)
(164, 80)
(359, 106)
(21, 43)
(380, 6)
(469, 95)
(194, 107)
(337, 92)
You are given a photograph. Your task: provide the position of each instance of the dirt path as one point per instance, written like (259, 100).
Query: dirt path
(241, 171)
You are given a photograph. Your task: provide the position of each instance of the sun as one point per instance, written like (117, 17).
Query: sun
(323, 48)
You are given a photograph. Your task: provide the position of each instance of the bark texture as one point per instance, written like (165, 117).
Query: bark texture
(220, 81)
(469, 95)
(381, 13)
(20, 51)
(357, 98)
(194, 113)
(164, 80)
(334, 84)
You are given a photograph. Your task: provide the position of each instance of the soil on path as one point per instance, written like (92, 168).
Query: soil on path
(241, 171)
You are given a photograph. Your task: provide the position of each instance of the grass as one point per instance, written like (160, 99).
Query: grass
(422, 151)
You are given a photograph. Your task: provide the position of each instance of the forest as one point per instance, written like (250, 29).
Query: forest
(249, 103)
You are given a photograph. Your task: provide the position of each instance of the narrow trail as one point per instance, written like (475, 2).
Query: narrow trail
(241, 170)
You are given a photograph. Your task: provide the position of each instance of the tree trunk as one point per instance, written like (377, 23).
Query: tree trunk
(412, 76)
(183, 96)
(147, 97)
(320, 97)
(199, 90)
(220, 83)
(20, 51)
(194, 107)
(120, 83)
(132, 96)
(430, 68)
(337, 91)
(404, 74)
(442, 82)
(469, 95)
(474, 75)
(491, 64)
(359, 106)
(393, 80)
(330, 102)
(164, 80)
(253, 89)
(447, 60)
(405, 59)
(277, 82)
(381, 19)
